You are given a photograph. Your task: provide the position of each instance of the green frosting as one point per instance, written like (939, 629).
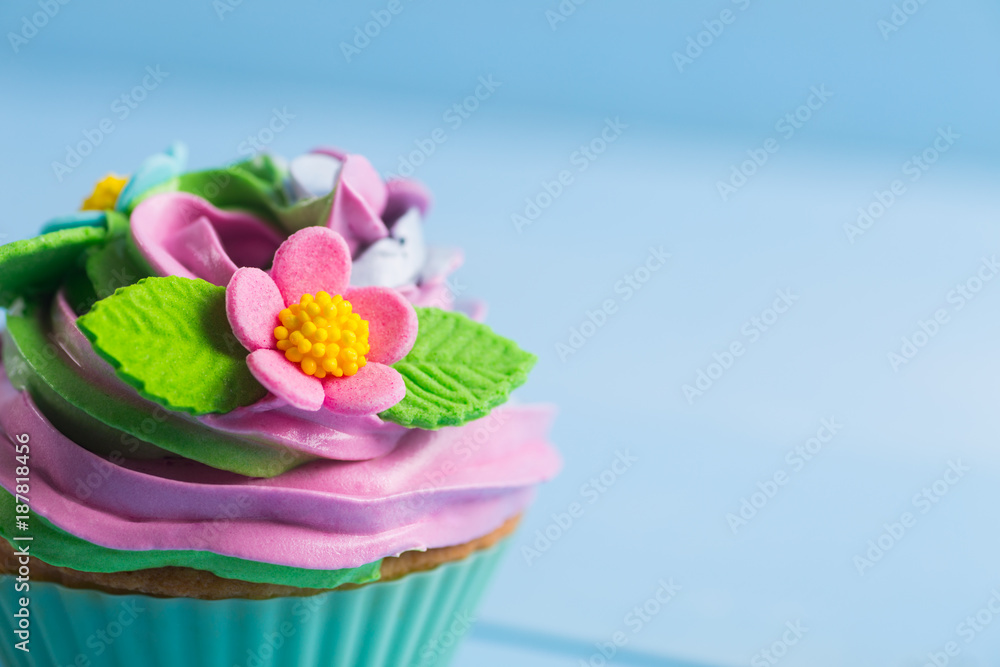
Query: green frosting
(114, 265)
(457, 371)
(37, 265)
(255, 187)
(117, 223)
(79, 291)
(105, 424)
(55, 546)
(170, 339)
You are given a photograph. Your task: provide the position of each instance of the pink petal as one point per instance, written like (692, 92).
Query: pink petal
(429, 296)
(312, 260)
(392, 322)
(358, 203)
(441, 262)
(375, 387)
(331, 151)
(180, 234)
(474, 308)
(286, 380)
(404, 194)
(200, 250)
(252, 304)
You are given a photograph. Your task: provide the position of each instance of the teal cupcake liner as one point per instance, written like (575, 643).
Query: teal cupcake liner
(416, 621)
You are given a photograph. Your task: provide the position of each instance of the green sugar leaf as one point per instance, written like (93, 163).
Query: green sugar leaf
(457, 371)
(170, 339)
(38, 265)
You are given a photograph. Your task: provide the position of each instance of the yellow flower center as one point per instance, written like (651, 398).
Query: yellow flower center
(323, 336)
(105, 193)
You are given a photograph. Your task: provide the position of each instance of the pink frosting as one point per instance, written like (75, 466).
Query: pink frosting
(435, 489)
(180, 234)
(321, 433)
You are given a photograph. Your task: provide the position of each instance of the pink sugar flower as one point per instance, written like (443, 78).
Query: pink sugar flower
(314, 342)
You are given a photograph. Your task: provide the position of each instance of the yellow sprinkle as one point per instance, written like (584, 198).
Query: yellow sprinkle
(323, 335)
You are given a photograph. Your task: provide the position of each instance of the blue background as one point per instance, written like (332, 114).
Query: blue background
(656, 185)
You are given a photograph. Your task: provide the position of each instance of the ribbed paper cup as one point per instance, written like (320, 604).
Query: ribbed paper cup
(416, 621)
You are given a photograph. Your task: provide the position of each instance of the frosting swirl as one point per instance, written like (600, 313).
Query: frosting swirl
(279, 489)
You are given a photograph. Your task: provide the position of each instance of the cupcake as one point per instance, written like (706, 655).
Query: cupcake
(245, 422)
